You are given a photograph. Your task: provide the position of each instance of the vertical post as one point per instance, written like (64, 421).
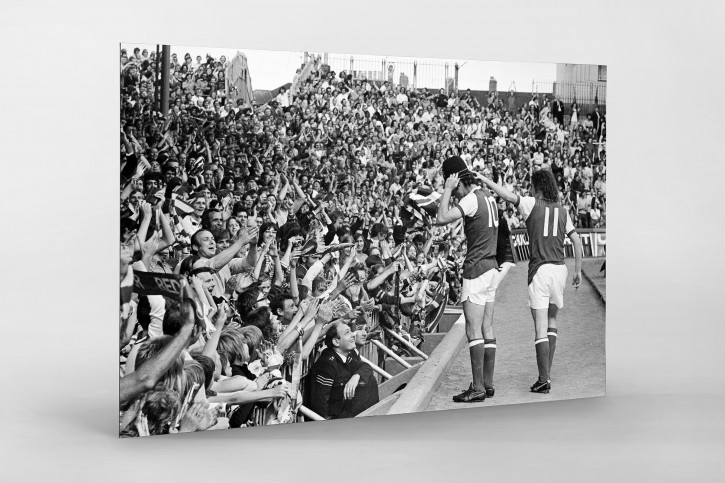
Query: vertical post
(325, 59)
(445, 80)
(352, 60)
(415, 74)
(165, 57)
(397, 295)
(157, 105)
(382, 72)
(456, 77)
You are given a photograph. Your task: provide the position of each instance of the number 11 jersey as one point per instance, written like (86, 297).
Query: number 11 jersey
(547, 224)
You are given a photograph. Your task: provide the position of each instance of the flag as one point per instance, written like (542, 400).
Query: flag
(180, 207)
(420, 206)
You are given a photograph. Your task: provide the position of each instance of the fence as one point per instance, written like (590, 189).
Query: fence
(594, 242)
(587, 94)
(400, 71)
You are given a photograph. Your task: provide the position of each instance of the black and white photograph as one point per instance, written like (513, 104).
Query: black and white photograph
(367, 242)
(309, 236)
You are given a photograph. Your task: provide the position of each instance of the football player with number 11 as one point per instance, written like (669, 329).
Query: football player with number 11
(547, 222)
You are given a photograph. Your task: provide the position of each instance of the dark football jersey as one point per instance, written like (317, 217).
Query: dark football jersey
(547, 224)
(480, 225)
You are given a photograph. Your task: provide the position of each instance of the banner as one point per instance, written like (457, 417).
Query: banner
(148, 283)
(594, 243)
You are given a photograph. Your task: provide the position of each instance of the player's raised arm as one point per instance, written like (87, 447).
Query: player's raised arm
(499, 190)
(446, 213)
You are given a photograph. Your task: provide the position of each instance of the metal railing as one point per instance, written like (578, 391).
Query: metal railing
(587, 94)
(399, 71)
(369, 353)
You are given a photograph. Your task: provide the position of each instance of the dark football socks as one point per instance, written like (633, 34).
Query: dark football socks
(542, 358)
(489, 361)
(552, 346)
(476, 349)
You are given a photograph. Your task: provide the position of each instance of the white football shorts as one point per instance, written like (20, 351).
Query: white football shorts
(482, 289)
(547, 287)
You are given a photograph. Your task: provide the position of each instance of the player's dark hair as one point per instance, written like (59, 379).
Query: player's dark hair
(543, 182)
(467, 180)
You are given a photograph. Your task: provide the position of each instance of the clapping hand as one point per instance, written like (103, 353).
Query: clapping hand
(272, 248)
(312, 309)
(248, 235)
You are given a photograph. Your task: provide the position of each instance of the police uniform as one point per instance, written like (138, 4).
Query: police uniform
(327, 380)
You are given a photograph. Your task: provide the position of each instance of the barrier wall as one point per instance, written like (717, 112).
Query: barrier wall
(594, 243)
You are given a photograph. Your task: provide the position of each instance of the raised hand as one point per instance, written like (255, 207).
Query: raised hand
(272, 248)
(278, 391)
(324, 314)
(367, 305)
(294, 258)
(348, 281)
(312, 308)
(222, 314)
(141, 168)
(353, 314)
(248, 235)
(452, 182)
(145, 208)
(197, 418)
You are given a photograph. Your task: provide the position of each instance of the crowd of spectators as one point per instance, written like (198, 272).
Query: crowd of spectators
(286, 220)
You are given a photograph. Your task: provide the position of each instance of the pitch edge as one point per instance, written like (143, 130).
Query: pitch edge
(417, 394)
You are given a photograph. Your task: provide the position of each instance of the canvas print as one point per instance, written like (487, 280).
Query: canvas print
(314, 236)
